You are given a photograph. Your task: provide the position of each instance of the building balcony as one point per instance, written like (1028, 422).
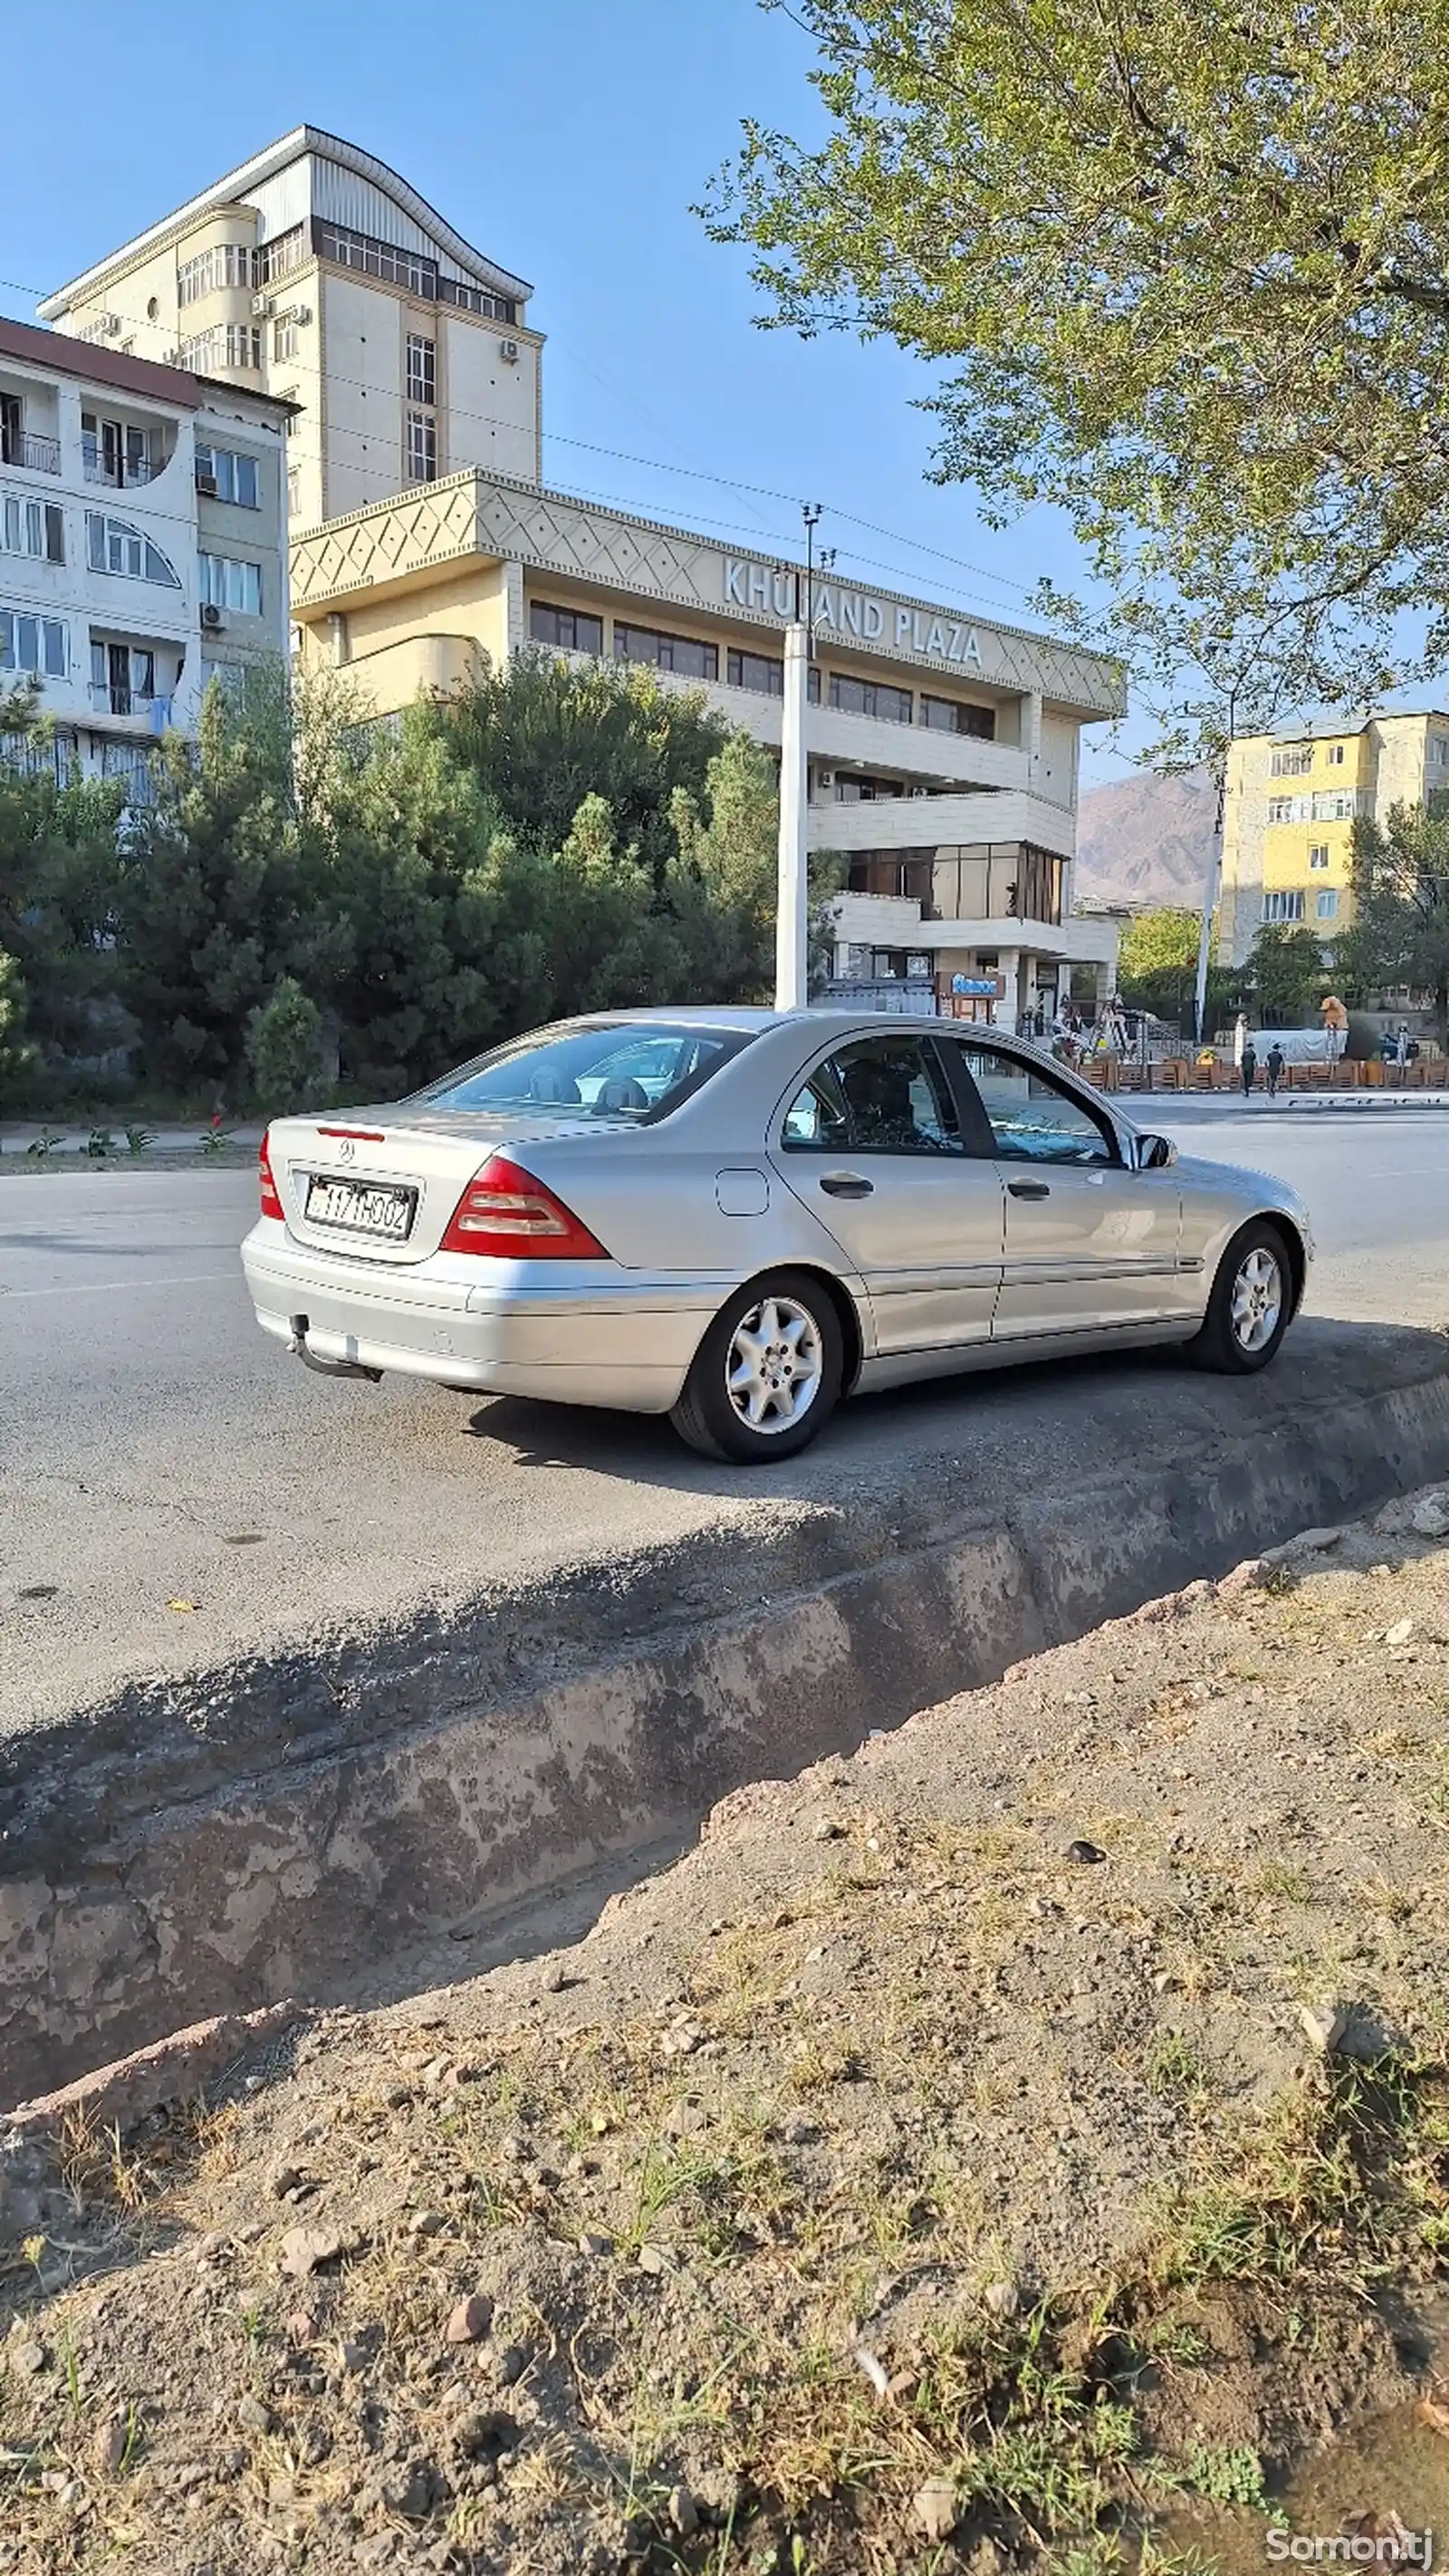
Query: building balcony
(942, 822)
(140, 709)
(126, 474)
(36, 455)
(897, 921)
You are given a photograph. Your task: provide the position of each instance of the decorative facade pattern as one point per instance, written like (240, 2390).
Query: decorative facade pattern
(509, 522)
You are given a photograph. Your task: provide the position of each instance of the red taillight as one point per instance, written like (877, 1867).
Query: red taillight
(507, 1213)
(271, 1204)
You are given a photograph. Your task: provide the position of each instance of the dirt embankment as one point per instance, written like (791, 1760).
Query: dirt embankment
(970, 2149)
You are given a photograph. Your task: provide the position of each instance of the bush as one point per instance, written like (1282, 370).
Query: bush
(284, 1047)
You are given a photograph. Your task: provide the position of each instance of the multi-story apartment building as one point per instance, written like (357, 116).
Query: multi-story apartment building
(142, 540)
(943, 751)
(316, 273)
(1291, 803)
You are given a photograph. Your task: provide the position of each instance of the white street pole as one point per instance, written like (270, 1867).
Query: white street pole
(1211, 897)
(792, 903)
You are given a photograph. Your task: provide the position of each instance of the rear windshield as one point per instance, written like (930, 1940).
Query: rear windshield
(632, 1073)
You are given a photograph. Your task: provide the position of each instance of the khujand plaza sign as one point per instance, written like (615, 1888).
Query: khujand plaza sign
(860, 613)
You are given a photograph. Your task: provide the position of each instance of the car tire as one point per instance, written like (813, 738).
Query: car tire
(1251, 1304)
(770, 1343)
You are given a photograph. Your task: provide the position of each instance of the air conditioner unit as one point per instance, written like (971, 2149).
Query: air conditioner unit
(301, 314)
(211, 616)
(206, 483)
(262, 305)
(508, 352)
(825, 777)
(113, 326)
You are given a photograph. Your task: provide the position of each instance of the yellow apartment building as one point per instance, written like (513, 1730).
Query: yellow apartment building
(1291, 804)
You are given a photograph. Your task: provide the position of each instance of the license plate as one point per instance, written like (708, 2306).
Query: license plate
(361, 1207)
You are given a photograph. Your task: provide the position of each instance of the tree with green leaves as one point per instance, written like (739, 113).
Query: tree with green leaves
(1182, 270)
(542, 734)
(1157, 970)
(1289, 978)
(1399, 932)
(213, 900)
(57, 898)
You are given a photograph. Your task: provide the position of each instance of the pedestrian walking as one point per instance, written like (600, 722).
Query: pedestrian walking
(1275, 1069)
(1249, 1062)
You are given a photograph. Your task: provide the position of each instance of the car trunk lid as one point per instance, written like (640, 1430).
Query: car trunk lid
(381, 1188)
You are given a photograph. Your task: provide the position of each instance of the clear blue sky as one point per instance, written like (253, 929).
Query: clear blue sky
(567, 139)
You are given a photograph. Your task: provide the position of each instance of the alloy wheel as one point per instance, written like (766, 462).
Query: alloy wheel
(1257, 1299)
(774, 1364)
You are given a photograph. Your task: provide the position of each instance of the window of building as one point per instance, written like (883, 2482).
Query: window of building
(1294, 760)
(757, 671)
(1284, 904)
(294, 489)
(34, 645)
(1439, 750)
(118, 452)
(476, 299)
(851, 790)
(1318, 854)
(227, 582)
(32, 528)
(225, 264)
(1327, 903)
(284, 256)
(891, 872)
(113, 545)
(422, 369)
(422, 447)
(569, 630)
(227, 475)
(682, 653)
(226, 344)
(1329, 805)
(123, 678)
(290, 396)
(378, 259)
(870, 698)
(953, 715)
(1335, 755)
(286, 337)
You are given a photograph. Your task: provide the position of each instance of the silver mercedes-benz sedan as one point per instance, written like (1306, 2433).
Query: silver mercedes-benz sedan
(738, 1217)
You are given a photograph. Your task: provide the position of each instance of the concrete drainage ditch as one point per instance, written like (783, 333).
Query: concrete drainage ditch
(271, 1828)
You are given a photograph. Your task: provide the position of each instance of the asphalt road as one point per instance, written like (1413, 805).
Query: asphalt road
(156, 1450)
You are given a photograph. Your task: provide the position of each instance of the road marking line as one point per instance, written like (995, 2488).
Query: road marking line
(112, 1287)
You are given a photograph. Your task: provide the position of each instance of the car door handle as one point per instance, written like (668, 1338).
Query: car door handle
(846, 1185)
(1030, 1189)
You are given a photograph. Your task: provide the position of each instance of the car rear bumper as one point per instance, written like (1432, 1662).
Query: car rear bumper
(625, 1342)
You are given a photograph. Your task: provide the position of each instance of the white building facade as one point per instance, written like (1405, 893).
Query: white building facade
(141, 542)
(316, 273)
(943, 750)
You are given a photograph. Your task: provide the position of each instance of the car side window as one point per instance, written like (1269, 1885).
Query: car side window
(885, 1095)
(1032, 1119)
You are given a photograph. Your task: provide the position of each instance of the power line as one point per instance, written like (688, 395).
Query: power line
(692, 473)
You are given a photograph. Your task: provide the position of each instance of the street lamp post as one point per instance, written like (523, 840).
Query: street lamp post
(792, 905)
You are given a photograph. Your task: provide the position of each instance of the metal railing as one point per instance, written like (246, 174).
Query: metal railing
(126, 474)
(22, 447)
(145, 706)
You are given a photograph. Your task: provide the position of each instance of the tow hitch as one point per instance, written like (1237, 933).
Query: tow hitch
(326, 1368)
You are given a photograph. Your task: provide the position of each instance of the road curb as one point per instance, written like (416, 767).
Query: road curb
(208, 1847)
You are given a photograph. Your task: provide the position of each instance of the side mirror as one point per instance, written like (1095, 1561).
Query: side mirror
(1153, 1153)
